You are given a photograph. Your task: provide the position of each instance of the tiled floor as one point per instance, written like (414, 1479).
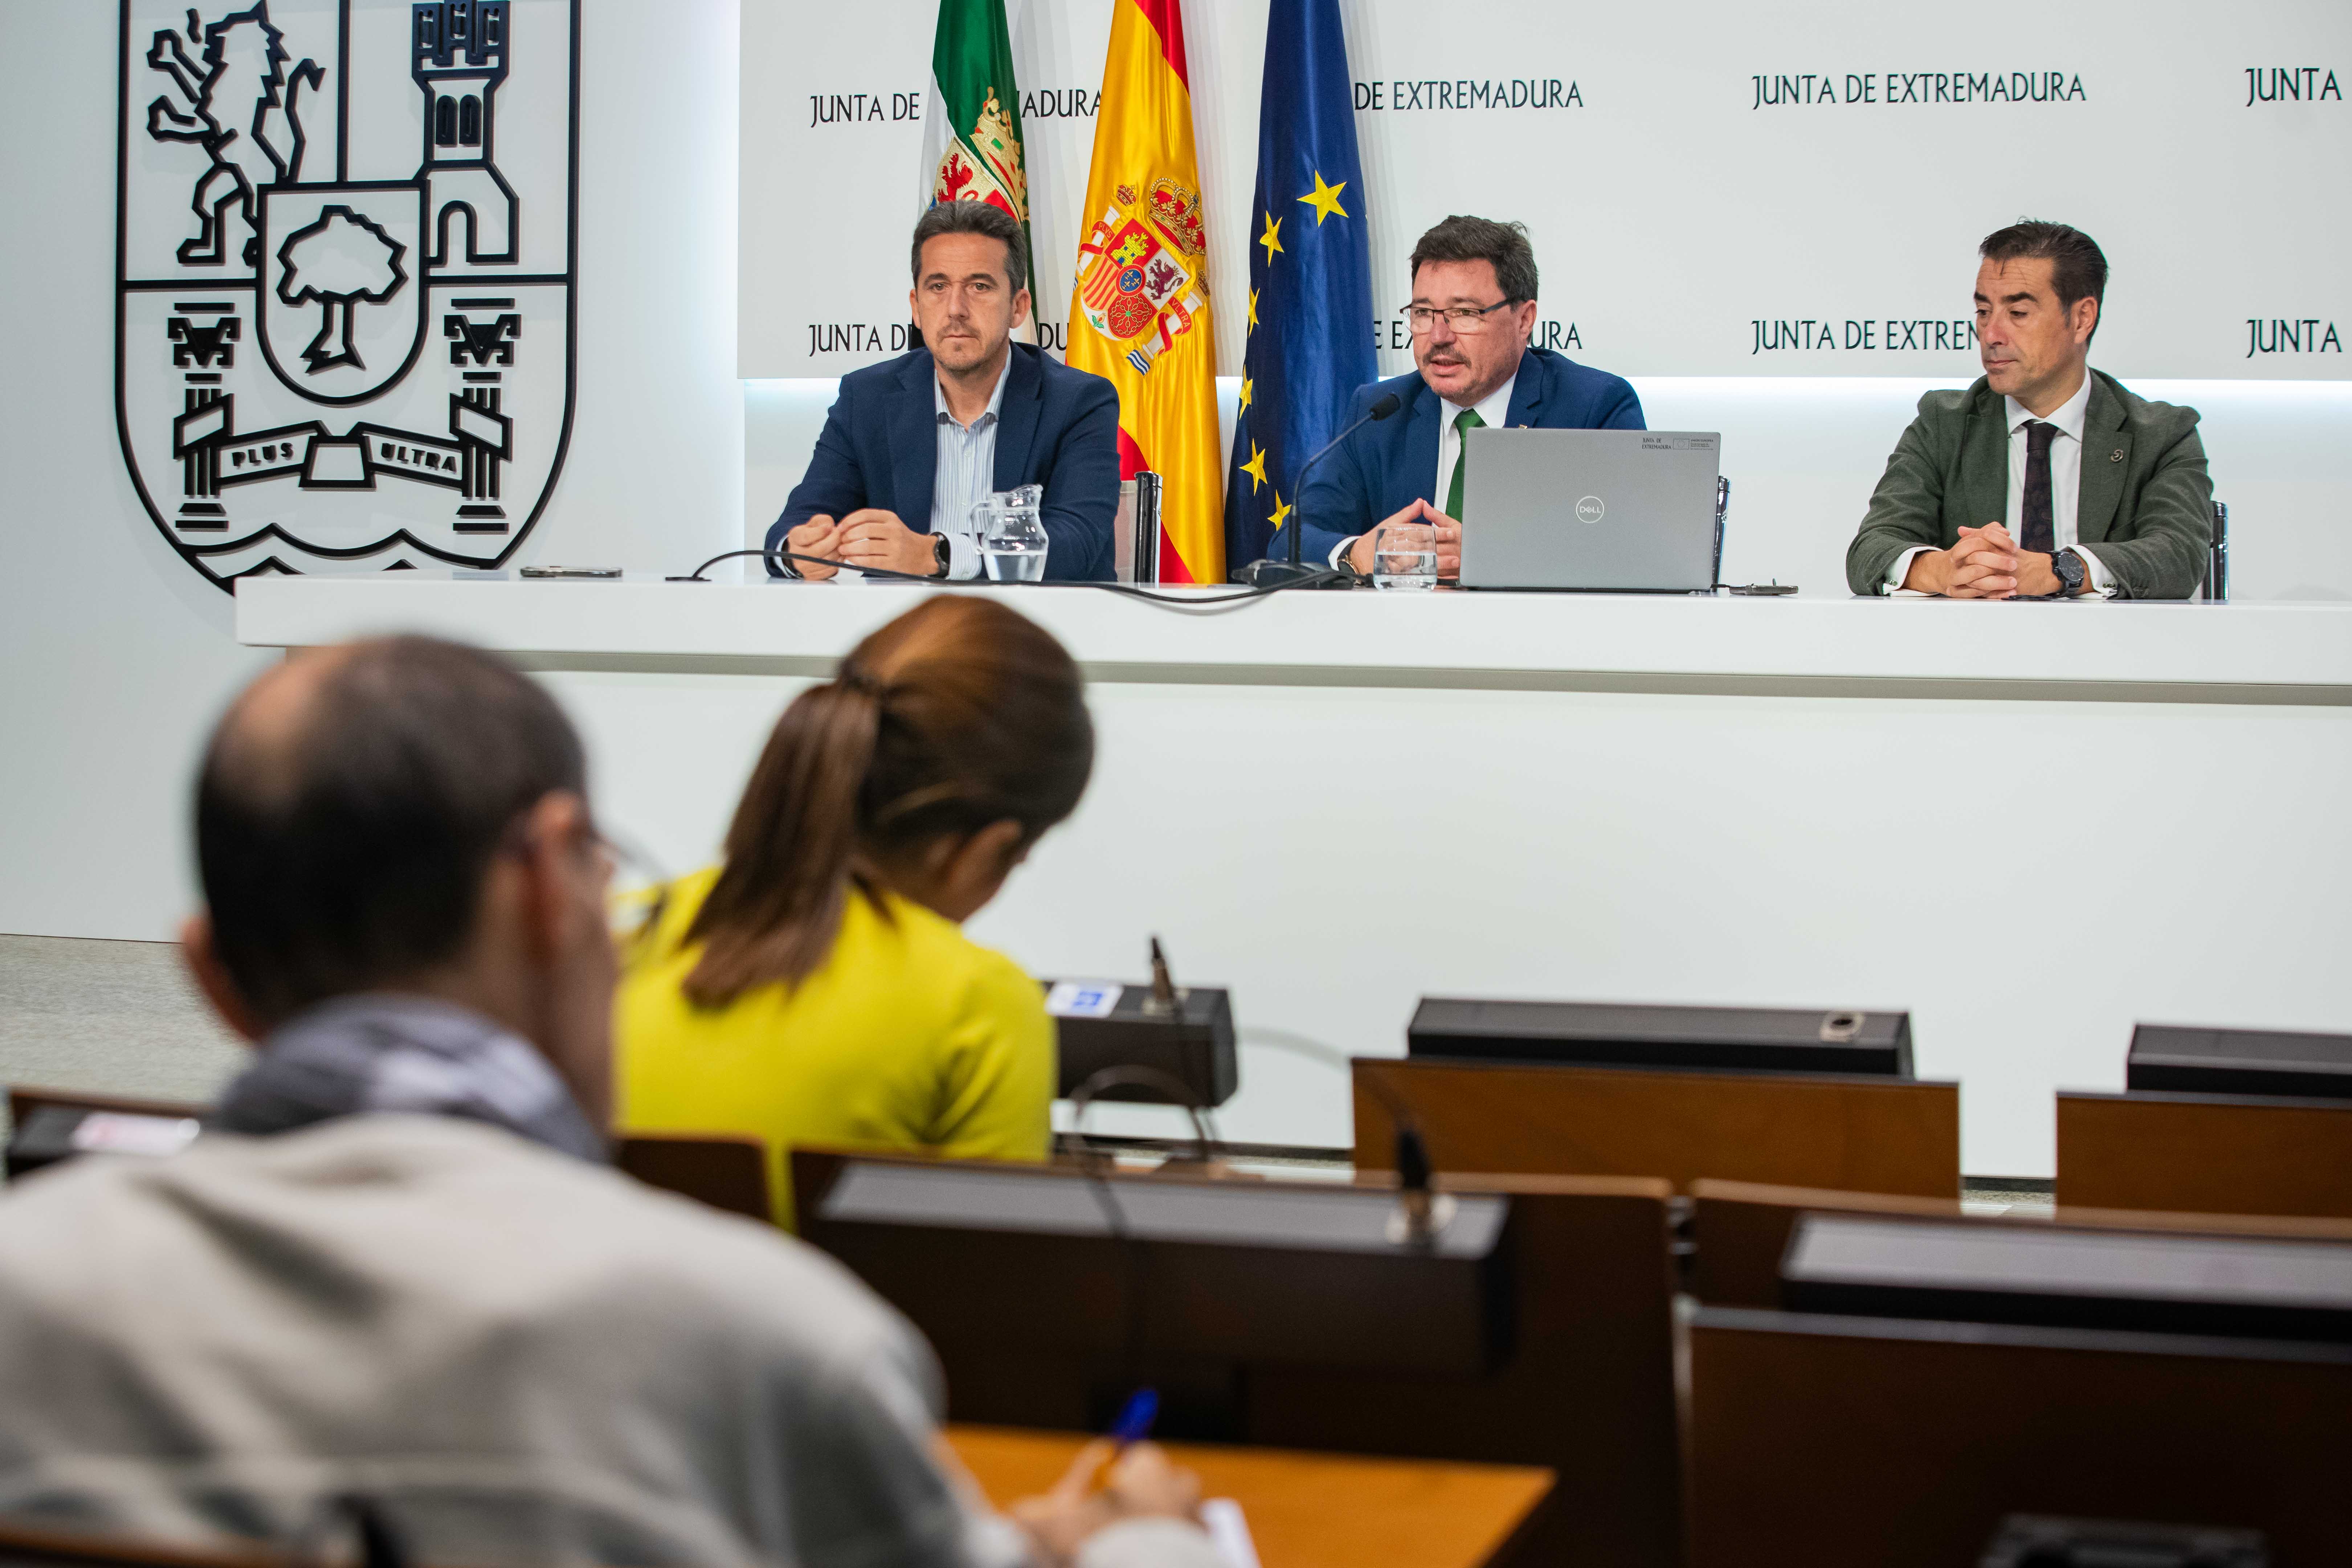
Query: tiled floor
(113, 1018)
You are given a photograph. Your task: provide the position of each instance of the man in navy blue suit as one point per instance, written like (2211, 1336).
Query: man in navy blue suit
(911, 444)
(1474, 305)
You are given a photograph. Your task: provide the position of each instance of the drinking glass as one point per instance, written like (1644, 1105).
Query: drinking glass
(1404, 556)
(1013, 541)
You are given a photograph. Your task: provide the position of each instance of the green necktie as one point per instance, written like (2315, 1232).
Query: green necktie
(1463, 423)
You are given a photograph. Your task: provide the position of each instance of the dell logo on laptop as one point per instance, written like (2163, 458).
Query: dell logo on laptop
(1589, 509)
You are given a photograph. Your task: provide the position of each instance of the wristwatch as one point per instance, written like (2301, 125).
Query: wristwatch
(2071, 574)
(945, 557)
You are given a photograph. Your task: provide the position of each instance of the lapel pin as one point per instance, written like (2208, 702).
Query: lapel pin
(2116, 456)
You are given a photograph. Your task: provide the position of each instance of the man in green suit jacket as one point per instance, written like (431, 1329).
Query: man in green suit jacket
(2046, 478)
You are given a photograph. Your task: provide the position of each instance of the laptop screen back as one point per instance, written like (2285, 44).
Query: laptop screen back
(1600, 511)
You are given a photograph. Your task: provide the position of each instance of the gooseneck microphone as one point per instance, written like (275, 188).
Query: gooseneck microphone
(1264, 573)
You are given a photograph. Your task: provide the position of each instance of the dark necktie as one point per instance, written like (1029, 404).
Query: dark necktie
(1463, 423)
(2034, 532)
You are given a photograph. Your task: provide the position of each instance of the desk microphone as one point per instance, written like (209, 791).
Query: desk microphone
(1422, 1211)
(1267, 574)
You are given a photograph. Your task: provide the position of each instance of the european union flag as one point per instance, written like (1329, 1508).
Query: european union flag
(1310, 296)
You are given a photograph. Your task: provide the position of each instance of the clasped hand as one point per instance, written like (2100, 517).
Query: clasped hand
(1449, 538)
(866, 537)
(1985, 564)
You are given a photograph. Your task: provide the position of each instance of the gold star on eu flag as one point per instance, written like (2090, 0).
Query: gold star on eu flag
(1325, 199)
(1256, 468)
(1253, 307)
(1281, 510)
(1272, 237)
(1246, 384)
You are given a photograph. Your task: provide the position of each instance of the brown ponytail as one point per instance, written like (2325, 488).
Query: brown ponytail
(958, 714)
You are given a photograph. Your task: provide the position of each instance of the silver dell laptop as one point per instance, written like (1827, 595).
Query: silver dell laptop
(1596, 510)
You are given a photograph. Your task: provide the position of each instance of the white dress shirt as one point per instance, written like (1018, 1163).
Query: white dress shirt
(1493, 410)
(965, 474)
(2065, 488)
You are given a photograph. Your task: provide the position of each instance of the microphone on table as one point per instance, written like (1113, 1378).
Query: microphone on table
(1422, 1211)
(1268, 573)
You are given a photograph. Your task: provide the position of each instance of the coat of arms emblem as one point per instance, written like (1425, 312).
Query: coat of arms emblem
(343, 334)
(997, 177)
(1140, 268)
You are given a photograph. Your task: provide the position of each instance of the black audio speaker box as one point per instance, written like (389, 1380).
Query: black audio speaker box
(2239, 1061)
(1611, 1033)
(1193, 1043)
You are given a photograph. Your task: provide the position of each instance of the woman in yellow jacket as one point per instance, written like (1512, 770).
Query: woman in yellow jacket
(816, 987)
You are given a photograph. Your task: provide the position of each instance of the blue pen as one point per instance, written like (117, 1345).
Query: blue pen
(1135, 1419)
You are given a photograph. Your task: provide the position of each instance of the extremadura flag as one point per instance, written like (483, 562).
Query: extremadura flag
(971, 132)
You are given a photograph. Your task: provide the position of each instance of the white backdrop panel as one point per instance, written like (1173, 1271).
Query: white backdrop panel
(1792, 851)
(1700, 187)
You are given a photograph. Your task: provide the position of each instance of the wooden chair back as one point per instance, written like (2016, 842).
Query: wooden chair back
(724, 1170)
(1857, 1134)
(2205, 1154)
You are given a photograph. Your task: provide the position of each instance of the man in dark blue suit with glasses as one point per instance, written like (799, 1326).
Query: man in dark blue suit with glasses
(1473, 306)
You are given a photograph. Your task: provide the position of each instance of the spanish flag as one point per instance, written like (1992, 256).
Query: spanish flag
(1139, 308)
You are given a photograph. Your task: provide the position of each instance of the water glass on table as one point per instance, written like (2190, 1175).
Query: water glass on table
(1404, 556)
(1012, 540)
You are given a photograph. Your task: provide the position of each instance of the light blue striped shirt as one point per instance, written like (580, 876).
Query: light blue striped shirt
(965, 475)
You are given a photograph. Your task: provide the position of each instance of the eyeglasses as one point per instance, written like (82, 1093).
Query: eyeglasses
(1466, 320)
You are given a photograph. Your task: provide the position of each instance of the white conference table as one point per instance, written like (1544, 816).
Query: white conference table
(2029, 824)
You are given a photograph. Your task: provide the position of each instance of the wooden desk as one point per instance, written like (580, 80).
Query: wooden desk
(1854, 1134)
(1822, 1440)
(1739, 1230)
(26, 1099)
(35, 1546)
(1306, 1511)
(1585, 1389)
(2206, 1153)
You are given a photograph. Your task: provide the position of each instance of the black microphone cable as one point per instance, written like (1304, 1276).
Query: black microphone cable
(1095, 1162)
(696, 575)
(1423, 1211)
(1178, 600)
